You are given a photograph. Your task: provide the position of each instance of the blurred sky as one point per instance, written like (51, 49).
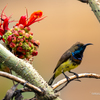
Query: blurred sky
(67, 22)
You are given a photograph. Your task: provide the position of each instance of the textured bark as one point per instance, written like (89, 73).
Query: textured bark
(27, 72)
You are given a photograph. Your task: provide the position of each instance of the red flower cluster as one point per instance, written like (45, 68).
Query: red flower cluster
(19, 39)
(3, 23)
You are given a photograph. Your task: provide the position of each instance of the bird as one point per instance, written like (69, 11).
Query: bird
(69, 60)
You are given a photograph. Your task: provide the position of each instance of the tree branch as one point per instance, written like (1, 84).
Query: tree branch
(27, 72)
(95, 5)
(83, 75)
(21, 81)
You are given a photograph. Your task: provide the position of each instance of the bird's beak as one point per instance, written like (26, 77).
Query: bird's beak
(87, 44)
(84, 46)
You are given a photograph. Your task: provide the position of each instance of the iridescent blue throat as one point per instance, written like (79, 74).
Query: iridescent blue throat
(78, 54)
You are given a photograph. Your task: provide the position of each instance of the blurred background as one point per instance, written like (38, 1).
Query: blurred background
(67, 22)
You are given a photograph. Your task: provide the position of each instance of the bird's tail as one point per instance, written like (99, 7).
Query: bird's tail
(51, 80)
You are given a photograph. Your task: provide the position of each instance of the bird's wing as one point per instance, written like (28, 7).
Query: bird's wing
(63, 58)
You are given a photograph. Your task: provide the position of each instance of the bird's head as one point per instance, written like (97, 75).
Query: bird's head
(79, 49)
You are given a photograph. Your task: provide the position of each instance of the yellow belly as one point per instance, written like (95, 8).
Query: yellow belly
(66, 66)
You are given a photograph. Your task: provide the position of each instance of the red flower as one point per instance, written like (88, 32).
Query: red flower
(4, 21)
(22, 20)
(35, 17)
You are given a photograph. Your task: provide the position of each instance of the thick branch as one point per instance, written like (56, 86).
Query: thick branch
(95, 5)
(83, 75)
(27, 72)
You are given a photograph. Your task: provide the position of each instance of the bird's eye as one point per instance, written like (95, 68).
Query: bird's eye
(78, 45)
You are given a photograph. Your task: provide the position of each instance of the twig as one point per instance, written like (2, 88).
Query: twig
(21, 81)
(83, 75)
(25, 90)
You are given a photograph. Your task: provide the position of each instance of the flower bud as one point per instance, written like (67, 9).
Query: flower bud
(20, 44)
(30, 37)
(24, 52)
(13, 39)
(34, 53)
(26, 35)
(21, 26)
(21, 40)
(12, 45)
(25, 46)
(27, 29)
(36, 43)
(18, 39)
(32, 40)
(9, 39)
(21, 32)
(30, 44)
(26, 41)
(16, 28)
(16, 33)
(19, 49)
(31, 33)
(9, 32)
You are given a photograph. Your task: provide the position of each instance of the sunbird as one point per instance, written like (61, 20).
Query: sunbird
(69, 60)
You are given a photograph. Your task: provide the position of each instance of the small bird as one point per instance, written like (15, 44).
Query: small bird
(69, 60)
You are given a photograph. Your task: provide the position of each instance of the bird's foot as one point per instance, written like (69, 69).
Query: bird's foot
(75, 75)
(68, 80)
(65, 76)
